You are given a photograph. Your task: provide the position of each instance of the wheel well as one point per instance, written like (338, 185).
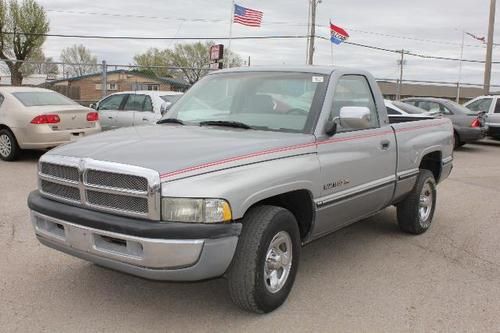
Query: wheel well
(432, 162)
(299, 203)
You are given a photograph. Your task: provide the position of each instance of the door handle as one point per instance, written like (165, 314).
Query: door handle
(385, 144)
(109, 117)
(144, 119)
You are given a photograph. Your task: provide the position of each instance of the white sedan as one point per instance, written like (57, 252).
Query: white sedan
(36, 118)
(134, 108)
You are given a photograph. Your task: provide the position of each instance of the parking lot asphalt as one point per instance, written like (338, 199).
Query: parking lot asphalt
(368, 277)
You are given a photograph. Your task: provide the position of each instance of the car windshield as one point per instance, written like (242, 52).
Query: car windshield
(408, 108)
(276, 101)
(170, 98)
(42, 98)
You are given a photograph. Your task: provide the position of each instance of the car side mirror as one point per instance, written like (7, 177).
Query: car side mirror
(93, 106)
(355, 117)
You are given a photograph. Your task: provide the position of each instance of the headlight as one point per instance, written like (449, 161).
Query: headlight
(195, 210)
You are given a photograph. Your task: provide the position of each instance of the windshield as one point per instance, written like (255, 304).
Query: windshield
(274, 101)
(408, 108)
(42, 98)
(170, 98)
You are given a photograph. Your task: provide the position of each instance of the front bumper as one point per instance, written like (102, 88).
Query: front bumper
(176, 259)
(494, 130)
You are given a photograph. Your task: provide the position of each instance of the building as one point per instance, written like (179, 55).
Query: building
(88, 89)
(389, 90)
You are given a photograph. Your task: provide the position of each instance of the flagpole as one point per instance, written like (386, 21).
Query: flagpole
(230, 29)
(460, 66)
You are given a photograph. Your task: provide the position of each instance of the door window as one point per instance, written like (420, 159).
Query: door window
(354, 90)
(111, 103)
(138, 103)
(482, 104)
(497, 106)
(433, 107)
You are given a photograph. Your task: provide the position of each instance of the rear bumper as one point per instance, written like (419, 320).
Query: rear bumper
(42, 136)
(157, 254)
(471, 134)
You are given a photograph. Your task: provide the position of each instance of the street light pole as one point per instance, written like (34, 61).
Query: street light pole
(460, 67)
(489, 50)
(400, 82)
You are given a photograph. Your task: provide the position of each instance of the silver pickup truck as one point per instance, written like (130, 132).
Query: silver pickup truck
(246, 168)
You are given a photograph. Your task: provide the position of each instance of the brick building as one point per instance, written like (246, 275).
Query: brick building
(88, 89)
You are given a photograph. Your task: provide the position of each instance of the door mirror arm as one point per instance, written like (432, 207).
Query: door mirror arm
(331, 126)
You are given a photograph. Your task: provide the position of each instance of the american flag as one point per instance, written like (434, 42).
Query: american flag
(247, 16)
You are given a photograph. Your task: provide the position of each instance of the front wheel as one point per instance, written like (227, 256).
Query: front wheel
(266, 260)
(415, 213)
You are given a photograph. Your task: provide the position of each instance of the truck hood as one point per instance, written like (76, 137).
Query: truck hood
(181, 151)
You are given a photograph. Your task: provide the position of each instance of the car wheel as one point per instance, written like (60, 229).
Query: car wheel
(9, 150)
(416, 211)
(456, 141)
(266, 260)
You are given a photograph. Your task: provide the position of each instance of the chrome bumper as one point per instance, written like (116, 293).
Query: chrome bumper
(157, 259)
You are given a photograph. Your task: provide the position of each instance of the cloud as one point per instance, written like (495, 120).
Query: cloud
(367, 21)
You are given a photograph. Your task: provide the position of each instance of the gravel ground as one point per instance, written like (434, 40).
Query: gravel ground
(368, 277)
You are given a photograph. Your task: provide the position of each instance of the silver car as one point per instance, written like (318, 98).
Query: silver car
(134, 108)
(490, 105)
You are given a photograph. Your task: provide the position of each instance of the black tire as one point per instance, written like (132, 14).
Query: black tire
(410, 218)
(456, 141)
(9, 149)
(246, 279)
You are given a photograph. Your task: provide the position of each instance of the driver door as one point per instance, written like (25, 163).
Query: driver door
(108, 109)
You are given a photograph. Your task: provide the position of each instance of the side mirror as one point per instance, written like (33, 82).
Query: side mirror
(355, 117)
(93, 106)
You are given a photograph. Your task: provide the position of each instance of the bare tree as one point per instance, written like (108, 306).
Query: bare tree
(79, 60)
(22, 32)
(39, 64)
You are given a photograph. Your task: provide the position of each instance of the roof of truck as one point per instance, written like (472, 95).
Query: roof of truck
(325, 70)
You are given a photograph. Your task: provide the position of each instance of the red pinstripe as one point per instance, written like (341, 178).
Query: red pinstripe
(288, 148)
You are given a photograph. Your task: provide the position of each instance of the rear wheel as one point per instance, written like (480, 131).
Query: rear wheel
(415, 213)
(266, 260)
(9, 150)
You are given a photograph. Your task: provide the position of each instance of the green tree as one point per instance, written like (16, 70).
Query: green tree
(22, 29)
(79, 61)
(193, 59)
(154, 61)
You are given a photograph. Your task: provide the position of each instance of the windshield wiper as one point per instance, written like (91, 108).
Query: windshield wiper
(170, 121)
(235, 124)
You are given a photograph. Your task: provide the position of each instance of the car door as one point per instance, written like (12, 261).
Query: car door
(108, 109)
(131, 105)
(358, 166)
(493, 120)
(147, 114)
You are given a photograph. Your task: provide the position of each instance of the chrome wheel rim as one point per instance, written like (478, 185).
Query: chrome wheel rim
(426, 202)
(278, 262)
(5, 145)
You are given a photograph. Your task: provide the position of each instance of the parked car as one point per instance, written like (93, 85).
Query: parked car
(490, 105)
(134, 108)
(468, 126)
(397, 109)
(36, 118)
(229, 185)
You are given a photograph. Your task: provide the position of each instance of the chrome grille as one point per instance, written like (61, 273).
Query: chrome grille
(60, 171)
(105, 186)
(59, 190)
(116, 180)
(120, 202)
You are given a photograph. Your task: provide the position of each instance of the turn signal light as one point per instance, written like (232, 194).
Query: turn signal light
(475, 123)
(92, 116)
(46, 119)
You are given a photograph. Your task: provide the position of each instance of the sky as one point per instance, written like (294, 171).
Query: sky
(430, 27)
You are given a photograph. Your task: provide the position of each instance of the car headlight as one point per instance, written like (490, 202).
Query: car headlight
(195, 210)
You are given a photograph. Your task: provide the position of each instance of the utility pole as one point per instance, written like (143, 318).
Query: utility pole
(489, 50)
(400, 81)
(312, 31)
(460, 67)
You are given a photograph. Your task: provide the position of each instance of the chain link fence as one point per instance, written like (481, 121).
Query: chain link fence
(88, 83)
